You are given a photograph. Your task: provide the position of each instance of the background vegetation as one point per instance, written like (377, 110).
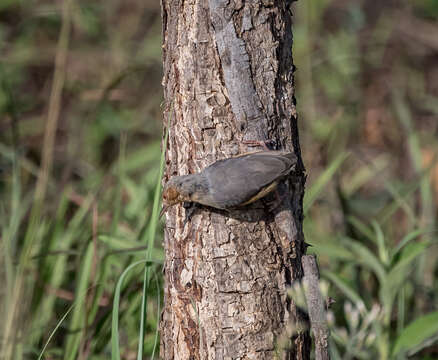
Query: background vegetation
(80, 98)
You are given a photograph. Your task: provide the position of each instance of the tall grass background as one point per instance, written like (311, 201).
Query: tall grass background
(80, 166)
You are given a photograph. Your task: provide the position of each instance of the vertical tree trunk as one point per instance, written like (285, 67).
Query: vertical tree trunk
(228, 77)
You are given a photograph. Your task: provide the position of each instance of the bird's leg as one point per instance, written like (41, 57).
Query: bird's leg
(267, 144)
(279, 198)
(190, 210)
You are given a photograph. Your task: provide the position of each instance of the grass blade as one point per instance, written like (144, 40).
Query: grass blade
(115, 347)
(380, 240)
(416, 332)
(367, 258)
(320, 183)
(344, 287)
(78, 317)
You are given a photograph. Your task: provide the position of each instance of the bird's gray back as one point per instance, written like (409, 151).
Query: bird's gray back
(234, 181)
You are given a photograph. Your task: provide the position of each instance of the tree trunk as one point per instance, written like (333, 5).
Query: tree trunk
(228, 77)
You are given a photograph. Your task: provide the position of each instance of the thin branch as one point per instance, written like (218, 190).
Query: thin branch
(316, 307)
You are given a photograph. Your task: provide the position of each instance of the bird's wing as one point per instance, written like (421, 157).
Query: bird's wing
(234, 181)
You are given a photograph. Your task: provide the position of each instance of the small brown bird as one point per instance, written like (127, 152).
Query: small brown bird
(232, 182)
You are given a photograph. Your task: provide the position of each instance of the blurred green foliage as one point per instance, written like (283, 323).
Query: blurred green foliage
(367, 98)
(366, 78)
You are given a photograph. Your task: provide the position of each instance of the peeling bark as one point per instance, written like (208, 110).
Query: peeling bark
(228, 77)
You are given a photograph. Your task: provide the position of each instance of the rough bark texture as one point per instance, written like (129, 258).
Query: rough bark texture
(228, 76)
(316, 308)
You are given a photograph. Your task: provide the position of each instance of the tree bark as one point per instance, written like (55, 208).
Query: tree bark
(228, 77)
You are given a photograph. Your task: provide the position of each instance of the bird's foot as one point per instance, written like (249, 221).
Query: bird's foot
(190, 210)
(267, 144)
(274, 204)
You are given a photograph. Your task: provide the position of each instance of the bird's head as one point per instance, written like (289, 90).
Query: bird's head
(178, 189)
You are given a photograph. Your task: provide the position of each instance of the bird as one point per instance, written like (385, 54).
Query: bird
(231, 183)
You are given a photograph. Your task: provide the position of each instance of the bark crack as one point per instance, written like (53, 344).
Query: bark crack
(237, 73)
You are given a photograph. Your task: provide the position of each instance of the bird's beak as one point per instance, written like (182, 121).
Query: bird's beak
(163, 210)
